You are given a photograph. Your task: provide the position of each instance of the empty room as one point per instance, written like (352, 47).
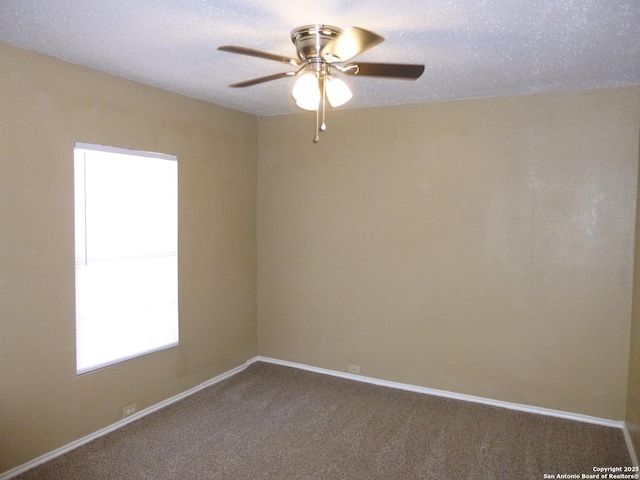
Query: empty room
(336, 240)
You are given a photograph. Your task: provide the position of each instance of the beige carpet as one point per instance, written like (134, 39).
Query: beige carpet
(274, 422)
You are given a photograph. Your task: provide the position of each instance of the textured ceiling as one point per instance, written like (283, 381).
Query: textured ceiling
(471, 48)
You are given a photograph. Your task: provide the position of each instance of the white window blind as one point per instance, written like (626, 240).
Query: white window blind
(126, 244)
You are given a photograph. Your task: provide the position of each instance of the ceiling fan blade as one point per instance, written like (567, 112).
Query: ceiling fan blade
(389, 70)
(350, 43)
(260, 54)
(268, 78)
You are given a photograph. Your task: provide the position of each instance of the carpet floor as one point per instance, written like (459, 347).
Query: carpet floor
(273, 422)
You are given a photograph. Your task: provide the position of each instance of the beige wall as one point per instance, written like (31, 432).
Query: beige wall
(46, 105)
(633, 398)
(483, 247)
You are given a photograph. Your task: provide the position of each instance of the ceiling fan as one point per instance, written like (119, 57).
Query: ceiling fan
(323, 49)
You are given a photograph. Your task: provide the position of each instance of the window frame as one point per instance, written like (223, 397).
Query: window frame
(82, 263)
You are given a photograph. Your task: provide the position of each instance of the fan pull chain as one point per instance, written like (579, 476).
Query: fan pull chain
(316, 139)
(323, 84)
(321, 127)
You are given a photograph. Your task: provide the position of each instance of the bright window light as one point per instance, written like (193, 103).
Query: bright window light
(126, 244)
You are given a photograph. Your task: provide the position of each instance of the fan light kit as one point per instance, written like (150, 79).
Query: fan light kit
(322, 51)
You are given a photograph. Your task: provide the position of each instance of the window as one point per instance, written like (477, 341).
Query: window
(126, 239)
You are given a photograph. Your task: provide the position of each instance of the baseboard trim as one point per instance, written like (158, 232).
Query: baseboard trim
(456, 396)
(630, 447)
(468, 398)
(360, 378)
(121, 423)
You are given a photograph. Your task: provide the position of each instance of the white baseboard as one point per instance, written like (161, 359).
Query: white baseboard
(469, 398)
(385, 383)
(632, 450)
(77, 443)
(456, 396)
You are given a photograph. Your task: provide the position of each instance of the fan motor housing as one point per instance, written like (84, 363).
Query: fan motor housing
(311, 39)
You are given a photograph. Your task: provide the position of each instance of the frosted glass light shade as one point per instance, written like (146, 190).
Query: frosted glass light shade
(306, 92)
(338, 92)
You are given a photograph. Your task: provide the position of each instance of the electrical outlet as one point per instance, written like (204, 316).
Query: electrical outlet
(130, 409)
(354, 369)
